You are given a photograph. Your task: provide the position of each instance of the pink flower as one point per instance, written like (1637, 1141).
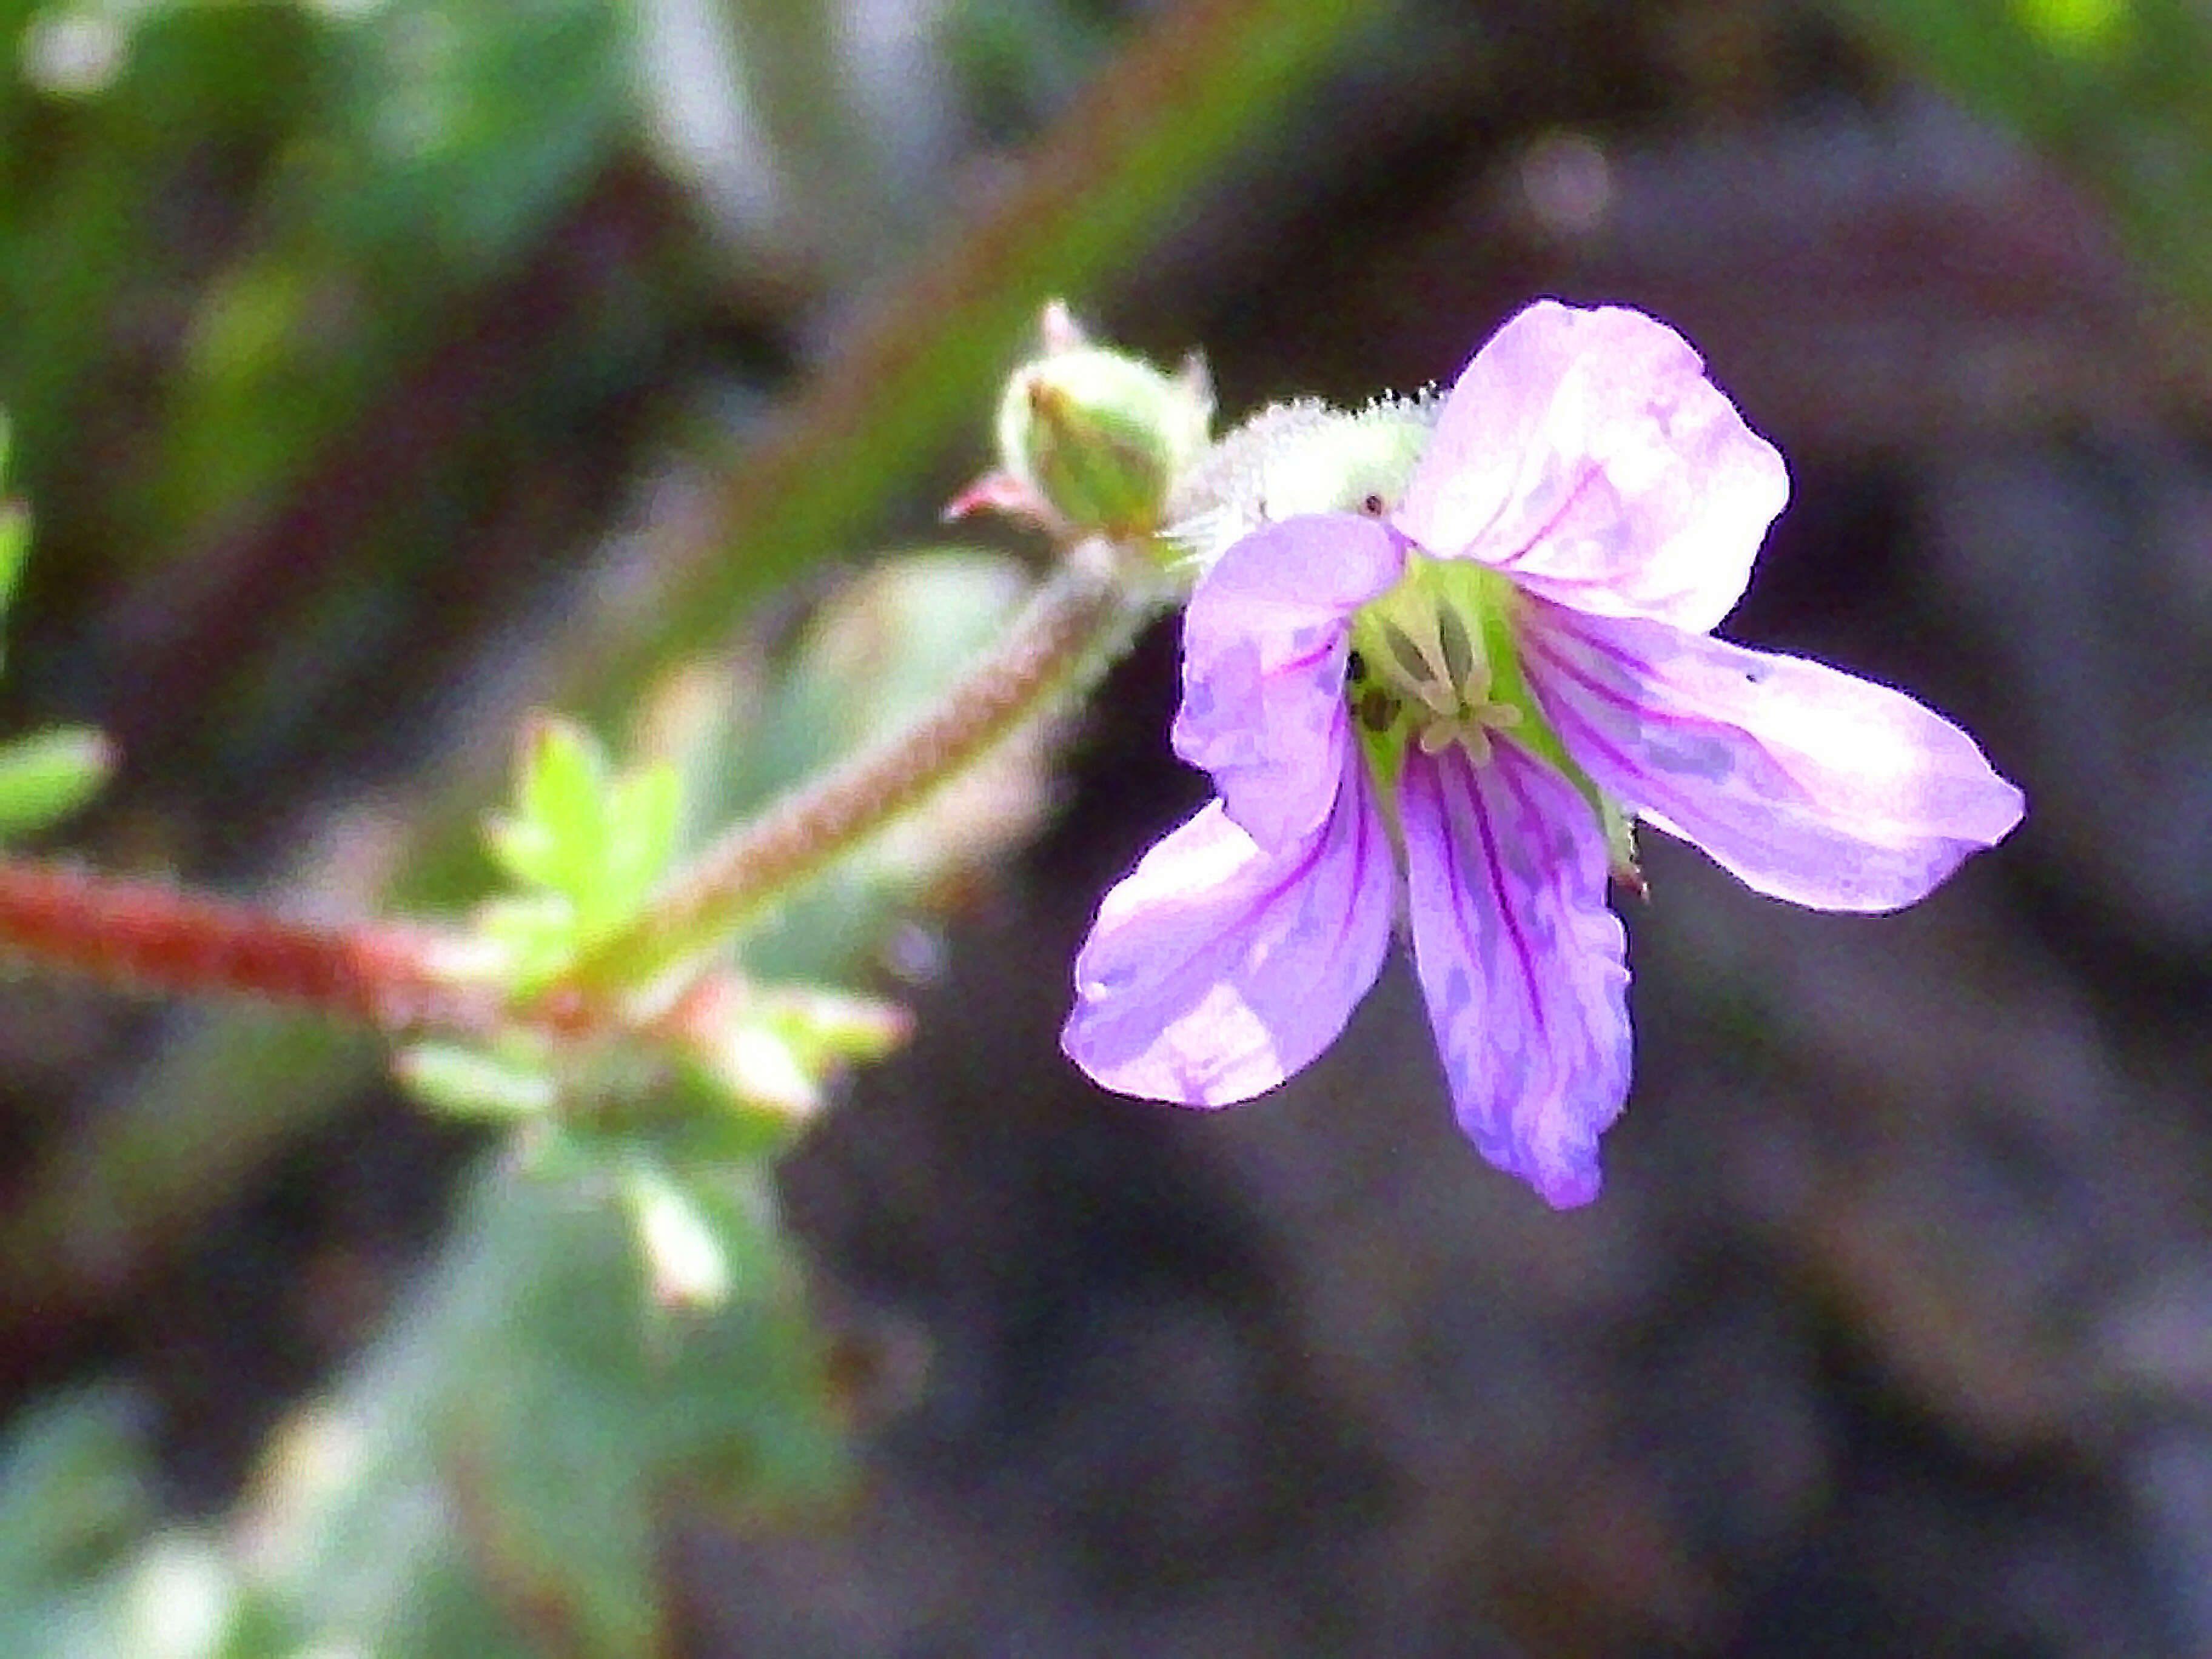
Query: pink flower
(1439, 715)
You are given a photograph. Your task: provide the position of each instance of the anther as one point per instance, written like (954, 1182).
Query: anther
(1412, 662)
(1458, 648)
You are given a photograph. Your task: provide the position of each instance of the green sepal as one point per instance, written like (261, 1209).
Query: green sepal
(49, 774)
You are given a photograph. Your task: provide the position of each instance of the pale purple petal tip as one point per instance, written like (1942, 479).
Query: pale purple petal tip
(1264, 645)
(1523, 966)
(1216, 969)
(1807, 783)
(1586, 454)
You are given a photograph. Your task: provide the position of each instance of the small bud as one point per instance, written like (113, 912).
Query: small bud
(1092, 438)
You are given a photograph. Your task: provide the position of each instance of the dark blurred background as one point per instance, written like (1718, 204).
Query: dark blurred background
(354, 352)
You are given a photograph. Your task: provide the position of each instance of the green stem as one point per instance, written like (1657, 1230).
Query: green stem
(1073, 627)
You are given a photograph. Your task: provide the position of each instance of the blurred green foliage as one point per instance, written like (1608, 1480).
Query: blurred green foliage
(2118, 92)
(230, 236)
(45, 776)
(619, 1314)
(487, 1481)
(395, 155)
(87, 1565)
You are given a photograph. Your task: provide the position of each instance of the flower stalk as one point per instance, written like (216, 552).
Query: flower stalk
(1072, 629)
(141, 936)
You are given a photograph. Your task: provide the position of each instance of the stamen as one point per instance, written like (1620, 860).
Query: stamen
(1458, 648)
(1412, 662)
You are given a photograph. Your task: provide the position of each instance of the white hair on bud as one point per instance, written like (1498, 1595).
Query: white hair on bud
(1298, 458)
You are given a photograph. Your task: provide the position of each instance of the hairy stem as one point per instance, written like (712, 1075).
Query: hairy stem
(1071, 629)
(140, 936)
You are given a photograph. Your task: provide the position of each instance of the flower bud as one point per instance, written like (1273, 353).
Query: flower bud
(1092, 438)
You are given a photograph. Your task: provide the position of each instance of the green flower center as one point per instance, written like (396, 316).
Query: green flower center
(1435, 664)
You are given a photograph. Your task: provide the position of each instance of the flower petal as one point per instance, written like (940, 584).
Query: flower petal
(1807, 783)
(1264, 646)
(1586, 454)
(1523, 966)
(1216, 969)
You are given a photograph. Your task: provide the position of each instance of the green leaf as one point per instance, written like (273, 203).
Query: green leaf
(710, 1121)
(644, 818)
(76, 1489)
(536, 933)
(85, 1568)
(502, 113)
(46, 776)
(564, 799)
(469, 1083)
(589, 842)
(685, 1263)
(516, 1437)
(776, 1048)
(524, 851)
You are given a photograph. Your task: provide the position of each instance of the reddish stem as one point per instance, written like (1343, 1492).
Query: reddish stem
(142, 937)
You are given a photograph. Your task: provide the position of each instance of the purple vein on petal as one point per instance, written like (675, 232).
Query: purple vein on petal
(1494, 870)
(1543, 532)
(1520, 961)
(1298, 665)
(1807, 783)
(1660, 795)
(1208, 983)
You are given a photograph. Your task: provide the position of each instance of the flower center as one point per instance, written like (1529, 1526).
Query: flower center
(1433, 663)
(1429, 660)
